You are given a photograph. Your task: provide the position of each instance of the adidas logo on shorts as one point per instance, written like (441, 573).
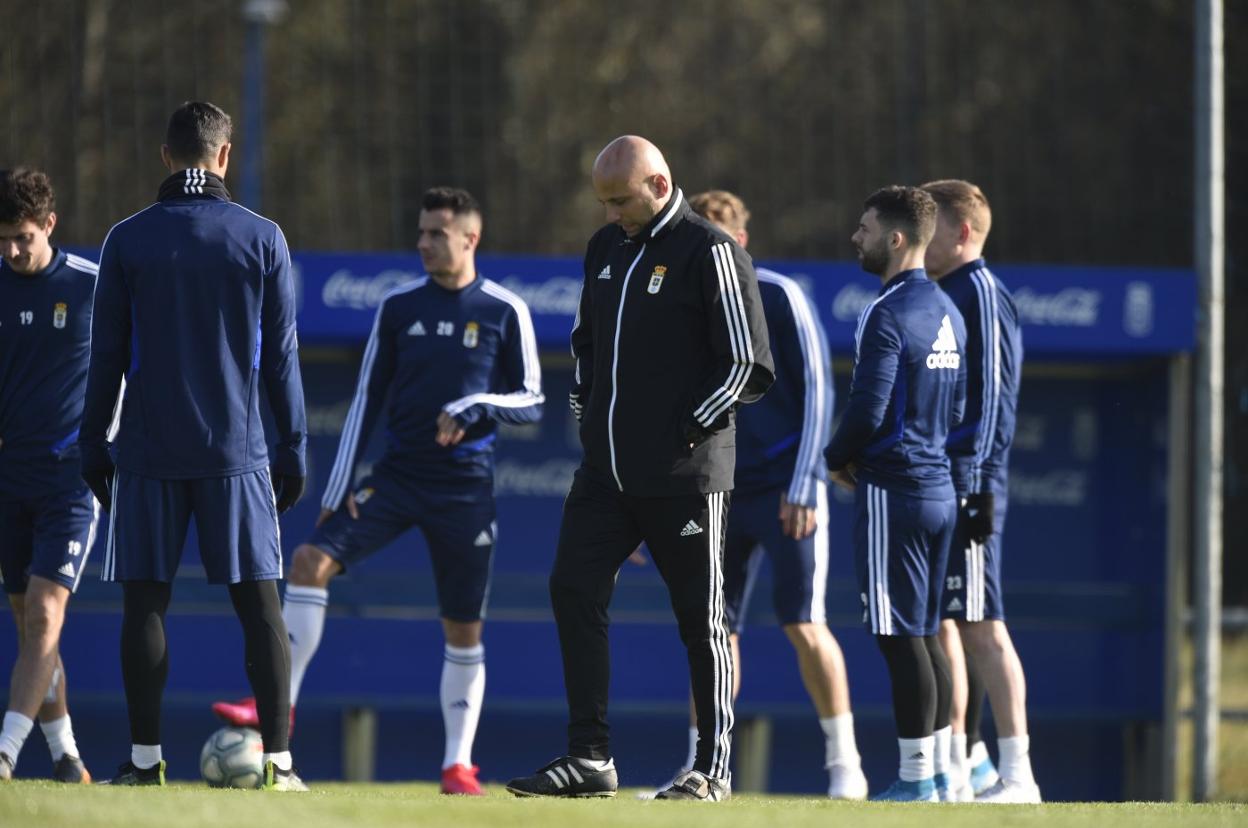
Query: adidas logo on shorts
(691, 528)
(954, 606)
(67, 569)
(483, 539)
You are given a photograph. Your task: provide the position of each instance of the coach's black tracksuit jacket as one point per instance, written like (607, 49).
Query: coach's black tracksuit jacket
(669, 337)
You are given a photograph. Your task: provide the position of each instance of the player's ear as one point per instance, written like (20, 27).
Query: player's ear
(50, 223)
(659, 185)
(223, 157)
(964, 232)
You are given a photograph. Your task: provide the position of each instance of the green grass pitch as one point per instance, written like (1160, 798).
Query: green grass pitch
(47, 805)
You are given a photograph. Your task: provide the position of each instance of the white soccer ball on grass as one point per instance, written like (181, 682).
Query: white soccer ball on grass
(231, 758)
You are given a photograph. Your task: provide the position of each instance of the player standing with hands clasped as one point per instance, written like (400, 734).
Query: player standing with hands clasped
(669, 337)
(979, 449)
(47, 514)
(457, 355)
(196, 308)
(908, 390)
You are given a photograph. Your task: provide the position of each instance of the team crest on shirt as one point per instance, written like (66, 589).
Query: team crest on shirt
(60, 311)
(364, 494)
(472, 334)
(656, 279)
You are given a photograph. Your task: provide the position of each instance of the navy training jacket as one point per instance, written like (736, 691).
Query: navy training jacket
(195, 306)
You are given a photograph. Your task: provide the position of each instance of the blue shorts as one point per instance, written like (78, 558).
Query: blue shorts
(457, 518)
(901, 544)
(799, 567)
(235, 518)
(973, 577)
(47, 536)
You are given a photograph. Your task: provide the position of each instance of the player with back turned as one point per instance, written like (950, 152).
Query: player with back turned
(195, 306)
(908, 390)
(47, 514)
(973, 605)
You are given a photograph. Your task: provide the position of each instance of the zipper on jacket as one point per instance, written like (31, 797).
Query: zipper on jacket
(615, 369)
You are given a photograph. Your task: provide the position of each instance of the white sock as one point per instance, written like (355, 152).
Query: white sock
(1015, 760)
(145, 756)
(463, 689)
(840, 748)
(598, 764)
(693, 747)
(60, 736)
(958, 766)
(304, 612)
(943, 739)
(978, 755)
(281, 761)
(916, 758)
(14, 732)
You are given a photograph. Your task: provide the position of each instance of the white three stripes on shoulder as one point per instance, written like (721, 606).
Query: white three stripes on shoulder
(348, 445)
(738, 337)
(990, 401)
(531, 394)
(817, 408)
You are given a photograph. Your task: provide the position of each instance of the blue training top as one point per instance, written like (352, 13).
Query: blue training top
(470, 352)
(45, 344)
(980, 446)
(196, 306)
(908, 389)
(781, 438)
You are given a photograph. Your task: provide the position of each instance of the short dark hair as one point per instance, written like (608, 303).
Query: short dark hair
(196, 130)
(908, 209)
(459, 202)
(25, 195)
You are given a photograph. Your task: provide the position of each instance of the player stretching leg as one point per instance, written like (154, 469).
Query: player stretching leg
(47, 515)
(457, 354)
(979, 450)
(908, 389)
(780, 505)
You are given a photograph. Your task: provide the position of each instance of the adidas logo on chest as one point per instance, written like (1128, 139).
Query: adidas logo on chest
(945, 349)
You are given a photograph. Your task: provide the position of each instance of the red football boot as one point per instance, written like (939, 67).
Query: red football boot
(242, 713)
(461, 779)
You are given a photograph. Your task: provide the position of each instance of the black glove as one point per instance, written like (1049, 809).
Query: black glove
(287, 489)
(977, 514)
(100, 480)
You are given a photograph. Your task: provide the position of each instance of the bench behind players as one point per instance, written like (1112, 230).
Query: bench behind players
(457, 354)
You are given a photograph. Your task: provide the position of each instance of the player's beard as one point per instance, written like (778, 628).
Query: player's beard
(875, 259)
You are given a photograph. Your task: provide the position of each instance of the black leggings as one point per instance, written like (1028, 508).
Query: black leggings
(145, 657)
(922, 686)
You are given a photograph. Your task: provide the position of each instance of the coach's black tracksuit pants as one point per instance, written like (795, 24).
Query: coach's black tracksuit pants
(685, 533)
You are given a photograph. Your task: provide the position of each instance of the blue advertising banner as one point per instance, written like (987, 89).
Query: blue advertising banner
(1066, 311)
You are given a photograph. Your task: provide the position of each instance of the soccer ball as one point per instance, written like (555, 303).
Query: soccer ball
(231, 758)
